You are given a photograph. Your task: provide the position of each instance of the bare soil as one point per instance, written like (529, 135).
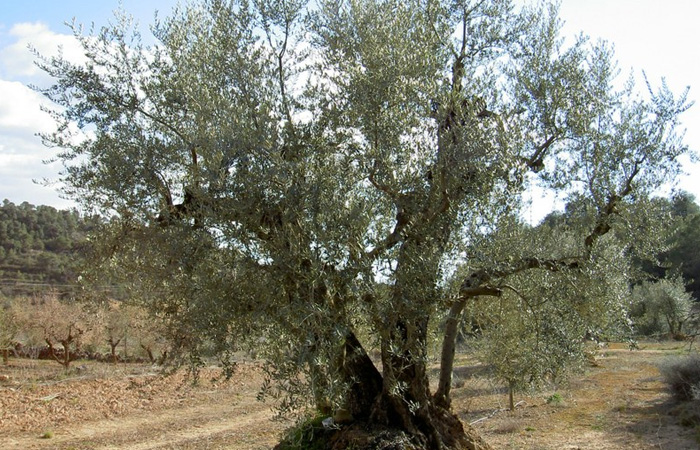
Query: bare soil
(619, 403)
(129, 406)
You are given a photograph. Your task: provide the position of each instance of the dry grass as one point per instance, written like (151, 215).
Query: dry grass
(509, 425)
(622, 403)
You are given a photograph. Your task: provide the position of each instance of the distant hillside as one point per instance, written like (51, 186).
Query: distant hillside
(40, 247)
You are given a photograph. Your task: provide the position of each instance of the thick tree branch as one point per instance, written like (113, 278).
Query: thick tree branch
(536, 161)
(603, 225)
(480, 284)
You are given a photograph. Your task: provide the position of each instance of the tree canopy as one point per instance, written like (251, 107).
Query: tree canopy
(344, 174)
(681, 257)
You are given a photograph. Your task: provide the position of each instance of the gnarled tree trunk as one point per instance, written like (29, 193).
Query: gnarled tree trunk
(376, 402)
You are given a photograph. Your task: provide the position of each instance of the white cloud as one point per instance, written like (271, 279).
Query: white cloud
(22, 167)
(20, 109)
(22, 155)
(17, 60)
(21, 150)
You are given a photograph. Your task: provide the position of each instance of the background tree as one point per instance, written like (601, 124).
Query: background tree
(149, 334)
(661, 307)
(681, 256)
(296, 173)
(131, 331)
(116, 325)
(9, 328)
(58, 323)
(547, 310)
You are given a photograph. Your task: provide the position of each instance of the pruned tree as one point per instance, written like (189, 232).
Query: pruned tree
(150, 334)
(117, 324)
(59, 323)
(9, 328)
(294, 172)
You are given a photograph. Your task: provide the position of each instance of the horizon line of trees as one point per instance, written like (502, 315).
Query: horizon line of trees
(43, 248)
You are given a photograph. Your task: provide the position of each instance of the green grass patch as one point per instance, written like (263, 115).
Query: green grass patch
(555, 399)
(309, 434)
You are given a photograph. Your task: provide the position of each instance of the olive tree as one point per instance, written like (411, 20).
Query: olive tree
(297, 172)
(661, 307)
(535, 329)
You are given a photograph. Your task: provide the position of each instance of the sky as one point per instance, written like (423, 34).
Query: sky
(658, 37)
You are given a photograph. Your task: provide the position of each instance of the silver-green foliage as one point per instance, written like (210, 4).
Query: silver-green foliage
(536, 331)
(295, 172)
(661, 307)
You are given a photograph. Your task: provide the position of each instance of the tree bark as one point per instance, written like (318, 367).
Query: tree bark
(511, 401)
(449, 343)
(363, 378)
(406, 402)
(430, 425)
(373, 401)
(447, 357)
(113, 349)
(66, 353)
(149, 353)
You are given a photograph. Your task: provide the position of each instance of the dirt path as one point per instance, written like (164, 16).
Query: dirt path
(620, 404)
(176, 428)
(246, 422)
(133, 410)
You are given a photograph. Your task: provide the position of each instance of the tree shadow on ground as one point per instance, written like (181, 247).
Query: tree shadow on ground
(657, 423)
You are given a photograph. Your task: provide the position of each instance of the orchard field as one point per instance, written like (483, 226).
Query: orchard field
(339, 188)
(620, 402)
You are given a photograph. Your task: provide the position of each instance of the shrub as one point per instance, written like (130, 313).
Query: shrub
(307, 435)
(509, 426)
(555, 399)
(683, 377)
